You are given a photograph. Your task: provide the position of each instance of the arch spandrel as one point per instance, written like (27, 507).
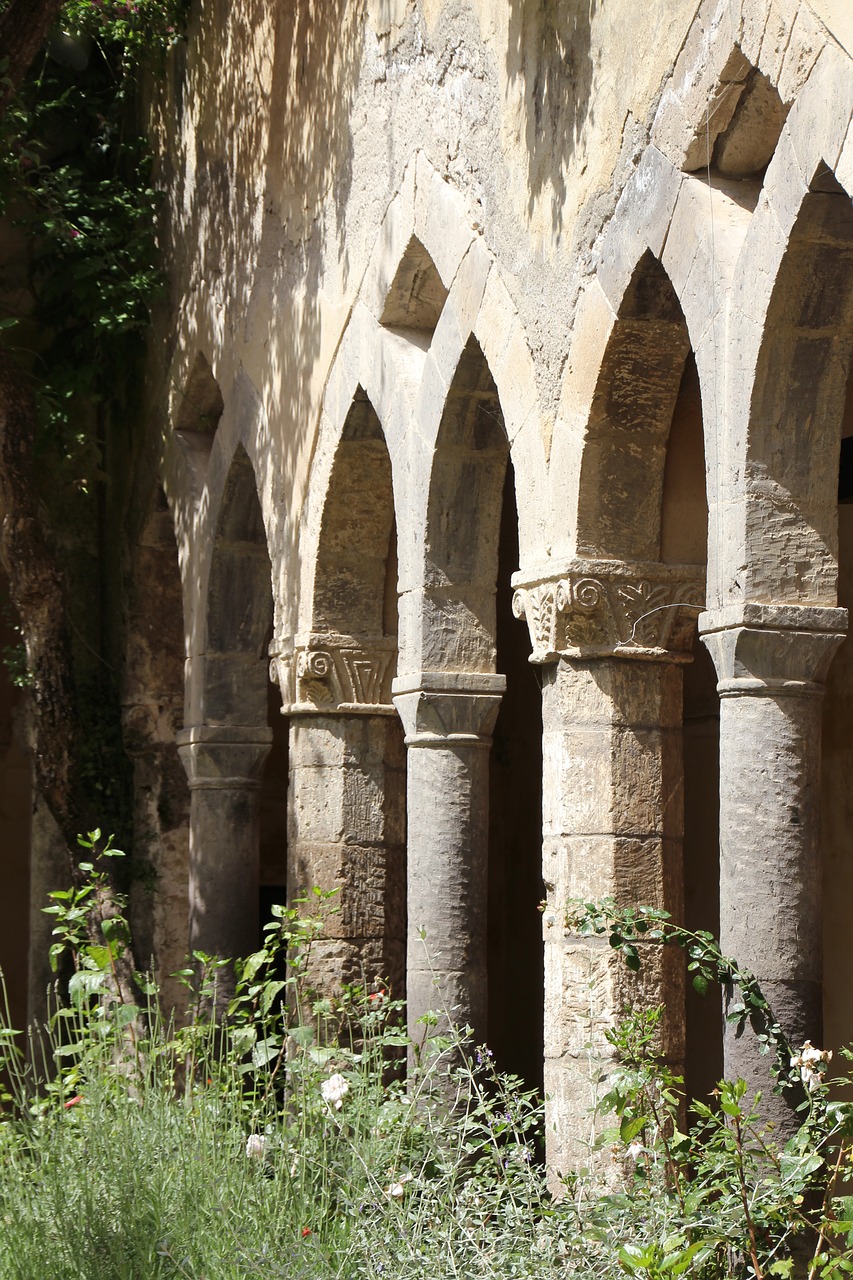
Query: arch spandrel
(237, 605)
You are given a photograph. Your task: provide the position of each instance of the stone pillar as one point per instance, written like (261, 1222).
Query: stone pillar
(613, 637)
(448, 718)
(224, 766)
(771, 662)
(346, 805)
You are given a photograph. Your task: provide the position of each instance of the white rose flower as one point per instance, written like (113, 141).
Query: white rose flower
(812, 1064)
(398, 1189)
(256, 1146)
(334, 1090)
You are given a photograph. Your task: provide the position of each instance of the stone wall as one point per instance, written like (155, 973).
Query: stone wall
(423, 250)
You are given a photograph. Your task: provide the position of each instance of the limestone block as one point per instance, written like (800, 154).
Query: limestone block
(317, 742)
(820, 117)
(641, 222)
(704, 217)
(516, 382)
(442, 222)
(580, 998)
(642, 797)
(337, 962)
(752, 287)
(448, 341)
(469, 285)
(363, 800)
(457, 635)
(390, 245)
(576, 769)
(594, 320)
(806, 43)
(784, 186)
(428, 409)
(572, 1090)
(703, 94)
(317, 809)
(496, 319)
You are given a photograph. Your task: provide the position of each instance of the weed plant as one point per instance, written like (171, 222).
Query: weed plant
(273, 1135)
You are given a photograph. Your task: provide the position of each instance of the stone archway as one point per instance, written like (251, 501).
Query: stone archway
(773, 651)
(224, 754)
(347, 763)
(613, 627)
(449, 707)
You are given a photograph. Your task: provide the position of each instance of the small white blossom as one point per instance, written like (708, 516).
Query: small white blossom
(812, 1064)
(334, 1090)
(398, 1189)
(634, 1150)
(256, 1146)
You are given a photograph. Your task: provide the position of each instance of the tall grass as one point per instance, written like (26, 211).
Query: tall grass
(274, 1135)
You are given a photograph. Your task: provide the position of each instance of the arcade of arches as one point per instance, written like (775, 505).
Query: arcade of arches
(504, 538)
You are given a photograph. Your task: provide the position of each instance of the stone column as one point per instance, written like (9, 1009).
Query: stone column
(613, 637)
(448, 718)
(346, 806)
(771, 662)
(224, 766)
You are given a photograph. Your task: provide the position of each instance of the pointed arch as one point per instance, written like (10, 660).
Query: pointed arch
(239, 606)
(463, 520)
(797, 403)
(352, 594)
(628, 429)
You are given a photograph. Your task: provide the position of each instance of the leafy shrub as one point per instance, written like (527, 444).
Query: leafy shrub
(278, 1137)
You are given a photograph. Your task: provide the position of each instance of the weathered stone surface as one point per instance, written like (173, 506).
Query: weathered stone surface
(415, 249)
(346, 836)
(771, 663)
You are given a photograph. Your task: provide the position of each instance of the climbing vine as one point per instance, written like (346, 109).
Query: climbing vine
(75, 181)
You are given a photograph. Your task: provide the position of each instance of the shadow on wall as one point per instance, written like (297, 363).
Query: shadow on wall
(549, 65)
(252, 133)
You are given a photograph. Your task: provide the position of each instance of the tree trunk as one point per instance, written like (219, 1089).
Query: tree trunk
(24, 25)
(36, 588)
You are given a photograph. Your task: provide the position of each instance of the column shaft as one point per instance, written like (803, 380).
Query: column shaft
(448, 718)
(770, 912)
(448, 804)
(346, 832)
(224, 768)
(612, 825)
(771, 662)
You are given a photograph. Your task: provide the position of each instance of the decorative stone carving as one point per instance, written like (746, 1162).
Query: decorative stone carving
(333, 674)
(605, 607)
(224, 757)
(449, 708)
(772, 649)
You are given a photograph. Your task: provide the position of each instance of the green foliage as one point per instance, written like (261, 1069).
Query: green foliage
(272, 1134)
(75, 178)
(628, 929)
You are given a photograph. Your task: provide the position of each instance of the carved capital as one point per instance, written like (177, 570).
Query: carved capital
(335, 675)
(601, 608)
(778, 650)
(224, 757)
(448, 708)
